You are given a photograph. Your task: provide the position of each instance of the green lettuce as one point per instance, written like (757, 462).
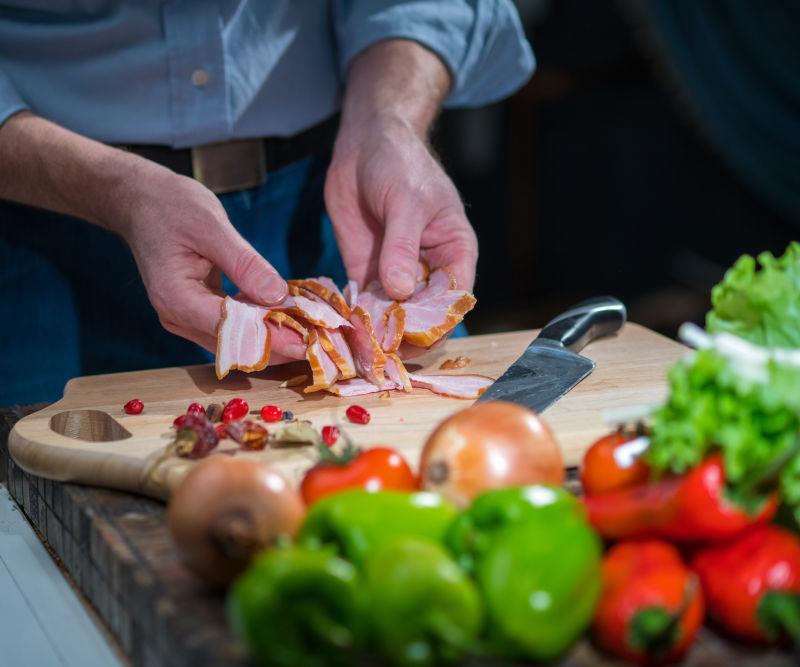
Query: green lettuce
(750, 411)
(760, 305)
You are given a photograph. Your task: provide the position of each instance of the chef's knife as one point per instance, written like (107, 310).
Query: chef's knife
(551, 365)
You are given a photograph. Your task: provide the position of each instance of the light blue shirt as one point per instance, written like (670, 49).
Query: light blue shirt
(190, 72)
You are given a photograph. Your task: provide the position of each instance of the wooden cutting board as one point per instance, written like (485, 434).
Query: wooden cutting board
(87, 437)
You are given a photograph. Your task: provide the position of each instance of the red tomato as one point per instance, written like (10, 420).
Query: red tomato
(372, 469)
(614, 462)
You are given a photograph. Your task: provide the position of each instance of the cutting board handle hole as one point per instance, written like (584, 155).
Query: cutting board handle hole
(89, 425)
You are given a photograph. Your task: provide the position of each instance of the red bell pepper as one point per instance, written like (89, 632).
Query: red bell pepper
(652, 605)
(752, 584)
(684, 508)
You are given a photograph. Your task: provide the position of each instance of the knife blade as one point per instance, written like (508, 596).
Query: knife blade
(551, 365)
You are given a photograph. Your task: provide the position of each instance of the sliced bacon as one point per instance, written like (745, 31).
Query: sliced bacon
(454, 386)
(429, 319)
(325, 289)
(395, 326)
(324, 370)
(367, 354)
(377, 304)
(397, 373)
(243, 339)
(334, 343)
(312, 310)
(358, 387)
(350, 292)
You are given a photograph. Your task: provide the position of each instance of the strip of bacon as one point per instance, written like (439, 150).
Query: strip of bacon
(325, 289)
(377, 304)
(324, 370)
(367, 354)
(334, 343)
(454, 386)
(289, 338)
(427, 319)
(395, 326)
(350, 292)
(397, 373)
(358, 387)
(312, 310)
(243, 339)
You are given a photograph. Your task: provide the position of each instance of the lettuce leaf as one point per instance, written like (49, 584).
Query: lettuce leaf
(754, 420)
(762, 306)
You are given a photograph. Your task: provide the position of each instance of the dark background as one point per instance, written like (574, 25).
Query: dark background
(593, 179)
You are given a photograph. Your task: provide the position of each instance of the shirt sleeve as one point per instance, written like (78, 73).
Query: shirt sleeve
(10, 99)
(480, 41)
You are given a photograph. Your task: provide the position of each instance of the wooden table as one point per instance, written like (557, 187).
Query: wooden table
(116, 548)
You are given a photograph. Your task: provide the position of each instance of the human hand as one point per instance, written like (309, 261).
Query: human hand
(391, 205)
(182, 241)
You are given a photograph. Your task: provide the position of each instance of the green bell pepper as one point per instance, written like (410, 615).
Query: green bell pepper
(537, 564)
(295, 607)
(355, 522)
(425, 609)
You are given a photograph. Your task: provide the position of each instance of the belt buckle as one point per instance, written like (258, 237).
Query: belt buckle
(231, 165)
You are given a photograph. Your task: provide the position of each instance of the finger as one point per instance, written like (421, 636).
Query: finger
(459, 253)
(248, 270)
(399, 258)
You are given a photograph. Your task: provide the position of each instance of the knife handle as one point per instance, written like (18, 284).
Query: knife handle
(585, 322)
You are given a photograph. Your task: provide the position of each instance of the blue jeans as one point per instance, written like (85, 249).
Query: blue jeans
(72, 302)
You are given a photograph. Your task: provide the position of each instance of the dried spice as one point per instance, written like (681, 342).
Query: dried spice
(196, 437)
(296, 433)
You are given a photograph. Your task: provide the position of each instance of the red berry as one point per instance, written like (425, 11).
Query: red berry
(271, 413)
(180, 421)
(330, 434)
(236, 408)
(357, 414)
(134, 407)
(221, 430)
(195, 409)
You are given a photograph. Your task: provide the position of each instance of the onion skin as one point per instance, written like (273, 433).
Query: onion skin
(226, 510)
(487, 446)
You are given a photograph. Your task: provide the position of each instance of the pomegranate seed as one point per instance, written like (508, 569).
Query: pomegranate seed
(221, 430)
(236, 408)
(271, 413)
(330, 434)
(195, 409)
(134, 407)
(357, 414)
(180, 421)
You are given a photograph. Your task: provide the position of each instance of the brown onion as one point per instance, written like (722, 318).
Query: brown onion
(487, 446)
(226, 510)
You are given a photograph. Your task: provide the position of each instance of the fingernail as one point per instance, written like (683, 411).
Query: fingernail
(275, 293)
(400, 281)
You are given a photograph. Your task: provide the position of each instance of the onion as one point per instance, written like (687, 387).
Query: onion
(487, 446)
(226, 510)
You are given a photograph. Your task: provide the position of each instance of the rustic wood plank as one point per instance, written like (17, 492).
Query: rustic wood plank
(117, 549)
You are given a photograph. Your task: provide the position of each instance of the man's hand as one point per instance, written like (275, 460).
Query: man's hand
(390, 201)
(177, 229)
(181, 238)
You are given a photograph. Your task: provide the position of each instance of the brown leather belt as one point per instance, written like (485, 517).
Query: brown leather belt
(242, 163)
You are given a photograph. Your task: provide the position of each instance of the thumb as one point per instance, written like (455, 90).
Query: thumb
(399, 258)
(248, 270)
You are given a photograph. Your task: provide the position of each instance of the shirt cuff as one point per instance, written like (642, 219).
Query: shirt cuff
(480, 41)
(10, 100)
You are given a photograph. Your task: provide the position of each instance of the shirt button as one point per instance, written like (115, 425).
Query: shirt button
(199, 78)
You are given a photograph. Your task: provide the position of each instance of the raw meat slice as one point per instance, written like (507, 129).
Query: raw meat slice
(242, 338)
(334, 343)
(289, 338)
(397, 373)
(367, 354)
(314, 311)
(455, 386)
(395, 325)
(322, 366)
(351, 293)
(325, 289)
(358, 387)
(427, 319)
